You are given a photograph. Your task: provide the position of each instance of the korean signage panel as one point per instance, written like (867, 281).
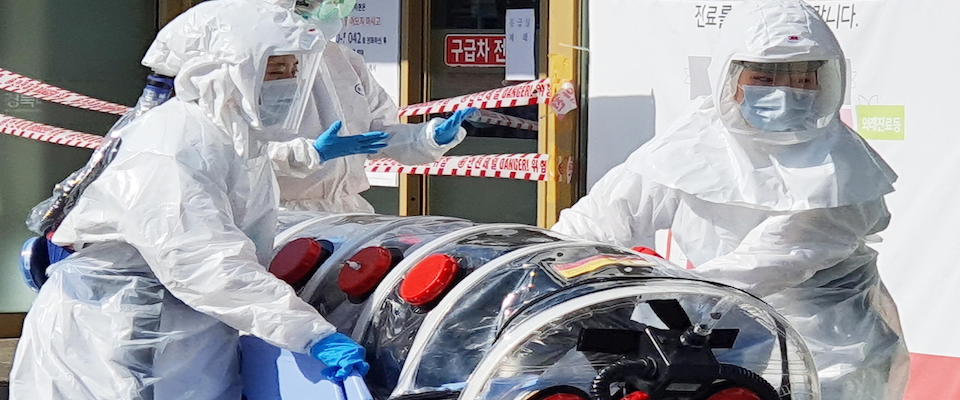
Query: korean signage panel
(373, 31)
(475, 50)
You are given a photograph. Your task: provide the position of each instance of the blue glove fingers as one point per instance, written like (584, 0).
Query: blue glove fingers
(330, 373)
(340, 375)
(333, 130)
(341, 372)
(447, 131)
(337, 351)
(373, 136)
(456, 119)
(354, 141)
(463, 114)
(362, 368)
(331, 145)
(345, 370)
(367, 146)
(376, 147)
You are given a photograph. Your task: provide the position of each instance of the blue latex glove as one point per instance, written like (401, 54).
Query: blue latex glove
(331, 145)
(447, 131)
(341, 355)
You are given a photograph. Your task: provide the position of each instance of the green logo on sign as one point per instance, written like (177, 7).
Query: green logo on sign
(881, 122)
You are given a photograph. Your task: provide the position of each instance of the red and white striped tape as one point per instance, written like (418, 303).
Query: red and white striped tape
(46, 133)
(527, 93)
(495, 118)
(530, 167)
(14, 82)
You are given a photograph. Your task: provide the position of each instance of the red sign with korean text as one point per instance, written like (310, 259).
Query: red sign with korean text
(475, 51)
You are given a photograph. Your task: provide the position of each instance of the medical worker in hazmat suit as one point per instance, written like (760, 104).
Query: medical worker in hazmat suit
(765, 189)
(344, 90)
(171, 240)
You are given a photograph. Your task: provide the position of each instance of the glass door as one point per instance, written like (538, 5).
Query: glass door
(465, 55)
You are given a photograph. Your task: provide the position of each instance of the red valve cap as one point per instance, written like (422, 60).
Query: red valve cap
(429, 279)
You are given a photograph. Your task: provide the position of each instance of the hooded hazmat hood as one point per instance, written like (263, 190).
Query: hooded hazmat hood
(713, 154)
(218, 52)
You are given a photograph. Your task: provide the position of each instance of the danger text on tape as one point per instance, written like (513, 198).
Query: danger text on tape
(531, 167)
(528, 93)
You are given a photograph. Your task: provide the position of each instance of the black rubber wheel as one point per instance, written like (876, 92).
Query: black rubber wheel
(732, 376)
(616, 372)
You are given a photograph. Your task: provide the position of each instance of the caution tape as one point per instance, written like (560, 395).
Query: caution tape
(528, 93)
(530, 167)
(495, 118)
(14, 82)
(47, 133)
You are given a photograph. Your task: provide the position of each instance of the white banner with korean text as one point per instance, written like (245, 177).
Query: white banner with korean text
(373, 31)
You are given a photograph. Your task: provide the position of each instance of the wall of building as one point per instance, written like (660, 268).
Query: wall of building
(91, 47)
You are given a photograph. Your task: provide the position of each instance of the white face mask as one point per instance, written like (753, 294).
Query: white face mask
(276, 100)
(779, 108)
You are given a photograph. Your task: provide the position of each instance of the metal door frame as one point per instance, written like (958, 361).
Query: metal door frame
(560, 51)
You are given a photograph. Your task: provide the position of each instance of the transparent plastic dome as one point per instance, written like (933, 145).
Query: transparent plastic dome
(468, 320)
(388, 323)
(448, 309)
(611, 339)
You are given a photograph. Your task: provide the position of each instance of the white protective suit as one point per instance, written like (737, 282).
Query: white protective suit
(783, 215)
(344, 90)
(174, 235)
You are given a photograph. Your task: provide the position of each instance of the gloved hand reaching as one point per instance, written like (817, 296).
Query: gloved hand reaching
(331, 145)
(447, 131)
(341, 355)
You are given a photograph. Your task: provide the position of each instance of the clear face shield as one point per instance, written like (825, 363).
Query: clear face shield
(285, 92)
(781, 97)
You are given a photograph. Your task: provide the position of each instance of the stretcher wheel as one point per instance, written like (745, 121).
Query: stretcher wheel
(738, 383)
(562, 392)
